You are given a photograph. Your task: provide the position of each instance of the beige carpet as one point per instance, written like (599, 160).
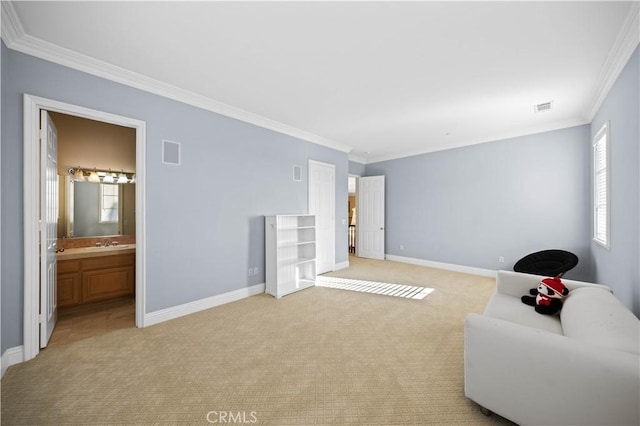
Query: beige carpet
(319, 356)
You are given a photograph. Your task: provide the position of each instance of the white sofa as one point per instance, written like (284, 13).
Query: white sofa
(579, 368)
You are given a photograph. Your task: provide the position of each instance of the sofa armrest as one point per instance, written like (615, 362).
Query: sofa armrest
(517, 284)
(531, 376)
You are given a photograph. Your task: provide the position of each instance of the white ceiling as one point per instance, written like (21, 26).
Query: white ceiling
(384, 79)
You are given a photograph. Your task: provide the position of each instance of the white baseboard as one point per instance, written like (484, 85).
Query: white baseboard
(441, 265)
(341, 265)
(173, 312)
(12, 356)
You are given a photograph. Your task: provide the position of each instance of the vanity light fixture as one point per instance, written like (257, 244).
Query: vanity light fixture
(78, 175)
(122, 178)
(108, 178)
(93, 176)
(100, 176)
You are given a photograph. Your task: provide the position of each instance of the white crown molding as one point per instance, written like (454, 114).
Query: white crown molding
(11, 25)
(623, 48)
(526, 131)
(357, 159)
(15, 38)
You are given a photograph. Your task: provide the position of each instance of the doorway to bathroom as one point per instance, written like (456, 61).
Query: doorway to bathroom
(95, 279)
(40, 289)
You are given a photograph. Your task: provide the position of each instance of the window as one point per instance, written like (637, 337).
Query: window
(108, 203)
(601, 186)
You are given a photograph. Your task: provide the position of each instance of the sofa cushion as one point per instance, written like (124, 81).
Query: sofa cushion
(512, 309)
(596, 316)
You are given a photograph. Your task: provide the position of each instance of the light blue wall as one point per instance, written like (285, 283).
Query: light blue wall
(11, 246)
(356, 168)
(204, 219)
(618, 266)
(470, 205)
(507, 198)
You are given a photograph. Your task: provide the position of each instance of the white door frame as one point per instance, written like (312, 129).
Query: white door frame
(31, 176)
(333, 234)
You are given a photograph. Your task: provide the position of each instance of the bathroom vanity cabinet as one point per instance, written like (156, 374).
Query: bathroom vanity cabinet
(96, 278)
(290, 247)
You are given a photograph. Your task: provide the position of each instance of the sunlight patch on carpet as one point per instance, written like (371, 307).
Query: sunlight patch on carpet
(386, 289)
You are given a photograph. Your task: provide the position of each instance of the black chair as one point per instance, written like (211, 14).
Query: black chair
(550, 263)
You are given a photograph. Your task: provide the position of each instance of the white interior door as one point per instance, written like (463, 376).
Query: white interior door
(370, 219)
(322, 204)
(48, 226)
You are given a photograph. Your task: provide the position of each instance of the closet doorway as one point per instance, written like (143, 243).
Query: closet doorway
(322, 202)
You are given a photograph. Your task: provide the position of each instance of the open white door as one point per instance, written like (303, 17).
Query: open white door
(370, 221)
(48, 226)
(322, 204)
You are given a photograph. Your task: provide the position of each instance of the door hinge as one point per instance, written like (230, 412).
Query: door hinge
(41, 318)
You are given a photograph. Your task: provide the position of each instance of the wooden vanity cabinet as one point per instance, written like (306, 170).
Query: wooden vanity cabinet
(95, 279)
(69, 283)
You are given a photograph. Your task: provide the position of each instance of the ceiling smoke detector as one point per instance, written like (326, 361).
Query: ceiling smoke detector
(543, 107)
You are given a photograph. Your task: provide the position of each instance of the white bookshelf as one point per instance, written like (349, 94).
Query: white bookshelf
(290, 251)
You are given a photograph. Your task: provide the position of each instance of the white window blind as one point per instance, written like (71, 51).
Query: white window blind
(601, 186)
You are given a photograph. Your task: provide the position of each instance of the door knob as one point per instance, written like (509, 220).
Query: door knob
(382, 228)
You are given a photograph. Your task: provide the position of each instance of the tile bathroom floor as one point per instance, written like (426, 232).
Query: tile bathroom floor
(84, 321)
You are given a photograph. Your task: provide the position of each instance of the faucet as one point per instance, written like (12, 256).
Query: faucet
(107, 243)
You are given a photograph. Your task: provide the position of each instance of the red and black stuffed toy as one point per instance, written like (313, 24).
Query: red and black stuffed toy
(548, 296)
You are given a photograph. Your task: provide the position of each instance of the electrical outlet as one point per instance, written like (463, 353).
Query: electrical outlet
(250, 272)
(401, 247)
(501, 259)
(255, 271)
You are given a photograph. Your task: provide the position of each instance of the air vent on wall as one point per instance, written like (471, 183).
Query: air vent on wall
(297, 173)
(171, 153)
(543, 107)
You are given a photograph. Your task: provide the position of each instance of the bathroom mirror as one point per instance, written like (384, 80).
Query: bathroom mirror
(89, 209)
